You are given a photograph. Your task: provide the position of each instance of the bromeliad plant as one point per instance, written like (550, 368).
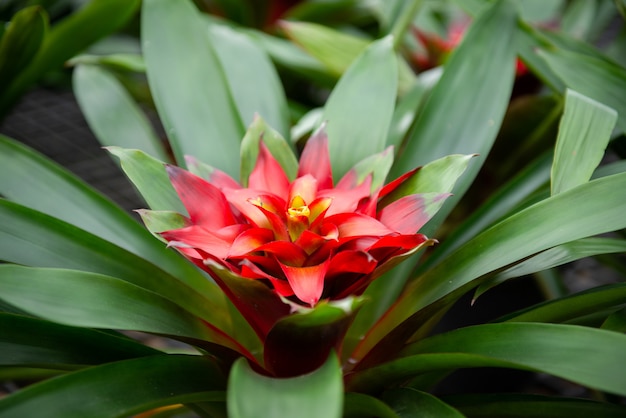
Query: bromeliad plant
(312, 286)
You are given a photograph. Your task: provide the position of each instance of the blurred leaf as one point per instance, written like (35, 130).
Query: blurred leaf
(113, 116)
(55, 346)
(582, 355)
(67, 38)
(598, 79)
(20, 42)
(532, 406)
(402, 19)
(409, 403)
(472, 92)
(32, 180)
(148, 175)
(598, 210)
(578, 17)
(359, 405)
(405, 113)
(616, 321)
(121, 61)
(317, 394)
(584, 133)
(301, 342)
(31, 238)
(189, 86)
(120, 389)
(358, 123)
(570, 307)
(252, 79)
(97, 301)
(277, 145)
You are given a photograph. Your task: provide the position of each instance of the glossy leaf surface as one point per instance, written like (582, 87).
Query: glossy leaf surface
(408, 403)
(120, 389)
(317, 394)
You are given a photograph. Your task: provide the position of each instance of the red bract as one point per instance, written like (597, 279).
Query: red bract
(306, 239)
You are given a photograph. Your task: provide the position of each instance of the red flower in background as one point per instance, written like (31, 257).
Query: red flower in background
(307, 239)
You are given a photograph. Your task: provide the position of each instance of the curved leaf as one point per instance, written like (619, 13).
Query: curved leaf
(188, 84)
(55, 346)
(34, 181)
(599, 210)
(358, 124)
(409, 403)
(584, 133)
(33, 239)
(317, 394)
(583, 355)
(111, 112)
(120, 389)
(532, 406)
(96, 301)
(359, 405)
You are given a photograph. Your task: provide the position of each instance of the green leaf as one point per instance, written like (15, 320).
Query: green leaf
(409, 403)
(162, 220)
(598, 210)
(317, 394)
(68, 37)
(358, 124)
(584, 133)
(359, 405)
(559, 350)
(596, 78)
(31, 238)
(277, 145)
(532, 406)
(112, 114)
(150, 178)
(20, 42)
(473, 92)
(557, 256)
(55, 346)
(377, 165)
(189, 86)
(251, 77)
(120, 389)
(574, 306)
(97, 301)
(34, 181)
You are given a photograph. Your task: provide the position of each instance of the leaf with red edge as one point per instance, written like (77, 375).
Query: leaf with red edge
(408, 214)
(258, 304)
(301, 342)
(268, 174)
(315, 159)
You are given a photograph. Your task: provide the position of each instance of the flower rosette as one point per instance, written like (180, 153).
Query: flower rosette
(302, 247)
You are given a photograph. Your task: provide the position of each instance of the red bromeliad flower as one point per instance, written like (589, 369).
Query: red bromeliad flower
(307, 239)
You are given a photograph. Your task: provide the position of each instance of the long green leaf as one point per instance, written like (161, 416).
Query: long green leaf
(473, 92)
(584, 133)
(532, 406)
(188, 84)
(251, 77)
(583, 355)
(96, 301)
(599, 79)
(55, 346)
(358, 124)
(120, 389)
(544, 225)
(112, 114)
(359, 405)
(31, 238)
(317, 394)
(70, 36)
(34, 181)
(580, 304)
